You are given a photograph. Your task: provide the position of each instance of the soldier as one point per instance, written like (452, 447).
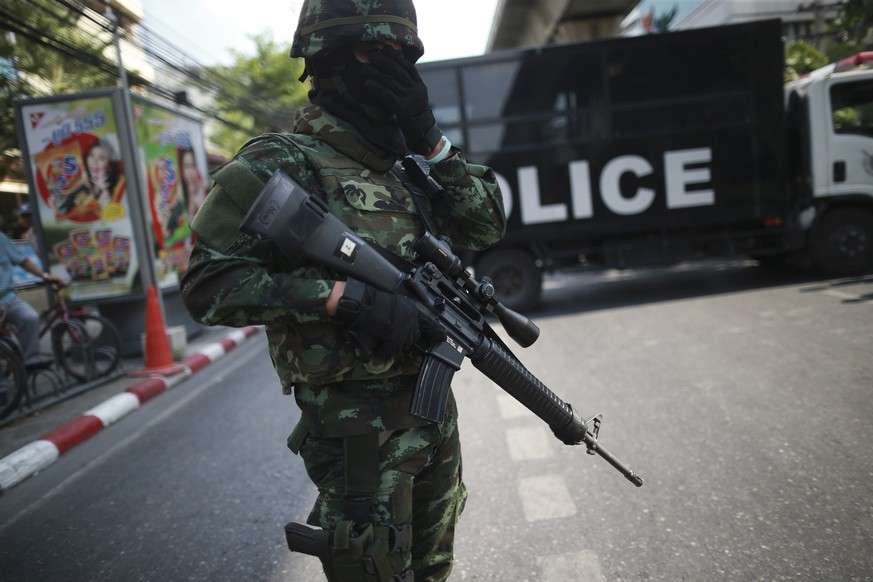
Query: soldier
(389, 483)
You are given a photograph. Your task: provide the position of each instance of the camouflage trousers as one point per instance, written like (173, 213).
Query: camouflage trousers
(419, 483)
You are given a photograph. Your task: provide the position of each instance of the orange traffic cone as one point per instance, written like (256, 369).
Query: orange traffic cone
(158, 357)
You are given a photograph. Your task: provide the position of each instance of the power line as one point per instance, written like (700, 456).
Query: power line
(248, 100)
(28, 31)
(174, 62)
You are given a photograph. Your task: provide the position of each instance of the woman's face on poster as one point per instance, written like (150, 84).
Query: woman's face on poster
(98, 161)
(190, 173)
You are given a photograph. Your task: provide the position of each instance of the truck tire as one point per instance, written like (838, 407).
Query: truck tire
(843, 242)
(517, 279)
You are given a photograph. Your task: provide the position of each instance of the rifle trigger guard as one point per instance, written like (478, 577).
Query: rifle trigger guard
(597, 419)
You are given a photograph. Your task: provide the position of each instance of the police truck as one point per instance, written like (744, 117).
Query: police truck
(663, 148)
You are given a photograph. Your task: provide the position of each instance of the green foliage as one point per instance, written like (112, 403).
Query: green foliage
(800, 59)
(43, 51)
(844, 118)
(256, 94)
(852, 31)
(227, 137)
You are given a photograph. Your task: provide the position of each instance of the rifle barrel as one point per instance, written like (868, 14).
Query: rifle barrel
(501, 366)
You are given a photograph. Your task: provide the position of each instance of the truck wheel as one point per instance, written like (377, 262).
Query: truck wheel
(517, 279)
(843, 242)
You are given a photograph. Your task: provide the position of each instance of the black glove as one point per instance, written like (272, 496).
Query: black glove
(383, 324)
(395, 82)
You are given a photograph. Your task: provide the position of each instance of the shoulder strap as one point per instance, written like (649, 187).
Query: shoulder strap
(416, 181)
(311, 181)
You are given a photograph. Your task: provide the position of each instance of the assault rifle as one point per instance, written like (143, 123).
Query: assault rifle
(301, 224)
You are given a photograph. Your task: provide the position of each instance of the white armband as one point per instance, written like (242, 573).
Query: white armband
(447, 147)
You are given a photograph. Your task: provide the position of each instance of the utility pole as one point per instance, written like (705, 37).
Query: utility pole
(818, 20)
(135, 181)
(819, 10)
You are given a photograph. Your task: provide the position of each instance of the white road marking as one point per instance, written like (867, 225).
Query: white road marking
(528, 442)
(510, 407)
(579, 567)
(545, 497)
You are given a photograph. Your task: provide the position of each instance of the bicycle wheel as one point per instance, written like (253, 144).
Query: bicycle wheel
(13, 378)
(86, 346)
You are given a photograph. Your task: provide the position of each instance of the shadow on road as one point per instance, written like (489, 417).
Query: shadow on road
(590, 291)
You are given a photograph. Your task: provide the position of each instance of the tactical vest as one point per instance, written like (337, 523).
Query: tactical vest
(377, 205)
(315, 358)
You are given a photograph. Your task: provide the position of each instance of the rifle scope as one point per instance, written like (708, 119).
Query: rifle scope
(439, 252)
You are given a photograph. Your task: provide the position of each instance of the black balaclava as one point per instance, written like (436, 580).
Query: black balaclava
(338, 86)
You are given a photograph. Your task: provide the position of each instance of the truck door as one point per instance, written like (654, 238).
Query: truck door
(850, 149)
(842, 236)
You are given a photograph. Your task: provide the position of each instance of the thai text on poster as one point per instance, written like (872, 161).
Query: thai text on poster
(82, 204)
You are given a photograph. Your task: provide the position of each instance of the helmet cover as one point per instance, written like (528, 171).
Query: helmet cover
(327, 24)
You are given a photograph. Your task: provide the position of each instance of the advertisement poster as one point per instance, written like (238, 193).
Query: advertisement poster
(174, 164)
(73, 149)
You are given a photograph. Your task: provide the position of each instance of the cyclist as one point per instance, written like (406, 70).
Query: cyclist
(23, 229)
(18, 312)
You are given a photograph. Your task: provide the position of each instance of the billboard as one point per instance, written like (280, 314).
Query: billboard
(173, 161)
(72, 147)
(90, 230)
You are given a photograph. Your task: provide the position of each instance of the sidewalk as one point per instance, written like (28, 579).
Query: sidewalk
(30, 444)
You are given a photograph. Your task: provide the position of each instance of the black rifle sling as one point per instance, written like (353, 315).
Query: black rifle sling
(422, 188)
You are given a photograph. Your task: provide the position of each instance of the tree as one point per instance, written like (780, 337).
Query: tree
(255, 94)
(802, 58)
(663, 21)
(852, 31)
(44, 51)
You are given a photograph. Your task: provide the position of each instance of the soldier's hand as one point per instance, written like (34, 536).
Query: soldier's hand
(394, 80)
(383, 324)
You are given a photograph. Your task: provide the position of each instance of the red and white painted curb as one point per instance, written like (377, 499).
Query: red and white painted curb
(36, 456)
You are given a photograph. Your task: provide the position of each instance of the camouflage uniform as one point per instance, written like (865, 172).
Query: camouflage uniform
(234, 280)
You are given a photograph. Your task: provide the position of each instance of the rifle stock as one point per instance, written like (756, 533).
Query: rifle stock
(298, 223)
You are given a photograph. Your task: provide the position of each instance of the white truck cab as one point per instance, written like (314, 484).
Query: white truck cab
(837, 106)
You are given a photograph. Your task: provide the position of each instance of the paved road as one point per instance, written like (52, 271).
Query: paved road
(196, 486)
(741, 396)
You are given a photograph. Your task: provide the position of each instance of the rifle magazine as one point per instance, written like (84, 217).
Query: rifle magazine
(432, 388)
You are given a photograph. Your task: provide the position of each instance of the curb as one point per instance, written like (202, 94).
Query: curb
(36, 456)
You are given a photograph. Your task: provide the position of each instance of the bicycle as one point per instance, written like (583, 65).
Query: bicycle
(85, 345)
(13, 374)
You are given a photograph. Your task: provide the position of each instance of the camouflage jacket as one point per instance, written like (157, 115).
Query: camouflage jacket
(233, 280)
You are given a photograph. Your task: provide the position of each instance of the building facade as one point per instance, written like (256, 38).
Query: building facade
(520, 23)
(804, 20)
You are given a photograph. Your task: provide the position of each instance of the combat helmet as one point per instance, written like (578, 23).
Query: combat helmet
(327, 24)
